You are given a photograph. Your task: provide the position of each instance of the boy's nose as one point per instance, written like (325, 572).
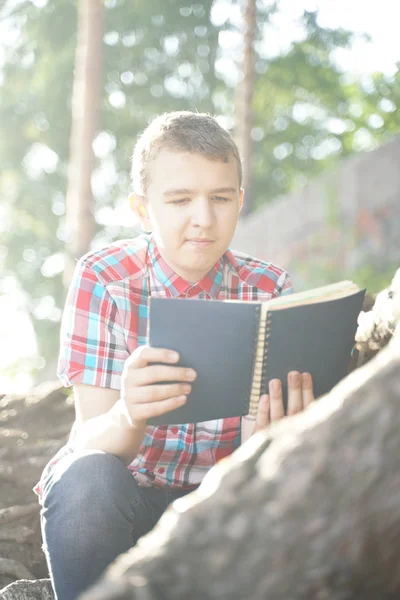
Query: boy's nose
(203, 214)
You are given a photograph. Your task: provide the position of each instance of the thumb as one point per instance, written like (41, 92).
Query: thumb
(262, 418)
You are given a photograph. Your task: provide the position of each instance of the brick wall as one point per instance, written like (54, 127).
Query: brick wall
(335, 225)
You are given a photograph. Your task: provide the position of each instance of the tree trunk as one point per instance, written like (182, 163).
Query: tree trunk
(244, 101)
(306, 510)
(85, 106)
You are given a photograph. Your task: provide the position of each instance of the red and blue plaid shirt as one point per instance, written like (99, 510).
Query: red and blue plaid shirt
(106, 318)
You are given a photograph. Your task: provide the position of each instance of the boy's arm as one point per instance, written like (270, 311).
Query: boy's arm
(96, 360)
(102, 423)
(115, 422)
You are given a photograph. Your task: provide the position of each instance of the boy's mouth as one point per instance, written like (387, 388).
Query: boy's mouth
(199, 242)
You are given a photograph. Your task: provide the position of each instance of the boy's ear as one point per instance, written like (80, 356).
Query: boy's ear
(139, 206)
(241, 197)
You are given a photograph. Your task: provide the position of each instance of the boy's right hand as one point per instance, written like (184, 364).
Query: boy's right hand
(141, 397)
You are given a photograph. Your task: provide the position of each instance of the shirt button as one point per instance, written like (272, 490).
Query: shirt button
(161, 470)
(193, 291)
(174, 430)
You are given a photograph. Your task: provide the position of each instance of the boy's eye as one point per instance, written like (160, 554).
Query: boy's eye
(185, 200)
(180, 201)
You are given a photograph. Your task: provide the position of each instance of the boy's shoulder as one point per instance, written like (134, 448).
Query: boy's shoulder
(258, 273)
(118, 260)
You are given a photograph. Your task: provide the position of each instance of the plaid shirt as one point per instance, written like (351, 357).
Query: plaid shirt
(106, 318)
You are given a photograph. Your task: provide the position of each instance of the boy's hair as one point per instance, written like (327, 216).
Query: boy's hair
(181, 131)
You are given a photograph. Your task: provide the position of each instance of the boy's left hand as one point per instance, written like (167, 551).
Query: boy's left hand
(300, 395)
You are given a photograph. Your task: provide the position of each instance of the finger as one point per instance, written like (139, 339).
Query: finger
(307, 386)
(159, 373)
(295, 397)
(142, 412)
(276, 400)
(159, 392)
(144, 355)
(262, 418)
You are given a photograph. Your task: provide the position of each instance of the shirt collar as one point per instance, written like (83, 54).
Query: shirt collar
(175, 284)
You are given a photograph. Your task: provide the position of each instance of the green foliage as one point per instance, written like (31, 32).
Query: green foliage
(310, 115)
(149, 49)
(368, 276)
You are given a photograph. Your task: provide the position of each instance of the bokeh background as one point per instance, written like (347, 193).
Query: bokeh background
(309, 88)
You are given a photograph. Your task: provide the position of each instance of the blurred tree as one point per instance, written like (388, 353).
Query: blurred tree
(36, 81)
(309, 114)
(85, 104)
(159, 56)
(244, 99)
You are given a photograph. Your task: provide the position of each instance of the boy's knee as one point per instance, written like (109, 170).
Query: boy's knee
(85, 477)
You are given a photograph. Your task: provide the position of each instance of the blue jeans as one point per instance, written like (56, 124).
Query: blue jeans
(93, 510)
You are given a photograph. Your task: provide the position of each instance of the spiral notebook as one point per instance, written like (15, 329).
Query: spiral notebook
(237, 347)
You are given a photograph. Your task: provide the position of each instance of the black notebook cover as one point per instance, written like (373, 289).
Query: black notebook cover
(218, 339)
(314, 338)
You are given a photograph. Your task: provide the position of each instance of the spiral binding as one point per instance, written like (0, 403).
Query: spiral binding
(260, 359)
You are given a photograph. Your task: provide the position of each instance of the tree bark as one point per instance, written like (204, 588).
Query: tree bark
(40, 589)
(306, 510)
(85, 107)
(244, 101)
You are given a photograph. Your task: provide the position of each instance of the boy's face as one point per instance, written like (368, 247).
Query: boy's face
(192, 206)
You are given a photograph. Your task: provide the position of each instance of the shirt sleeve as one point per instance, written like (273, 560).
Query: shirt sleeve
(284, 285)
(93, 347)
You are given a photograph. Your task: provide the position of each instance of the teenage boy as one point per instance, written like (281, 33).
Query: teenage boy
(116, 476)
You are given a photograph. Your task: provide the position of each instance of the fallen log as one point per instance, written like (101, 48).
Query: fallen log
(308, 509)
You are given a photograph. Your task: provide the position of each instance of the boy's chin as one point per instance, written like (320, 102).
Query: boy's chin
(197, 268)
